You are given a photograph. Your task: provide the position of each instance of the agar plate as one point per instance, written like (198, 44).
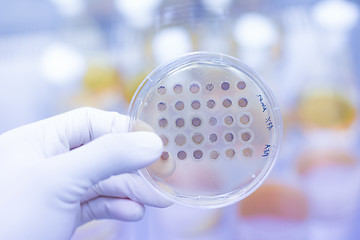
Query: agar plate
(220, 125)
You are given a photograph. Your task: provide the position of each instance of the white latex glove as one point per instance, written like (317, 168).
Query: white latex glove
(61, 172)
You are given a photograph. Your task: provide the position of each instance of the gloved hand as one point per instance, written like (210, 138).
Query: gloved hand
(61, 172)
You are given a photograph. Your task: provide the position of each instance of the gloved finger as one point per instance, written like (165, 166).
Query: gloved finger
(108, 155)
(129, 185)
(111, 208)
(59, 134)
(82, 125)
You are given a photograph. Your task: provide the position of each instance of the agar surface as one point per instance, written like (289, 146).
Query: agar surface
(217, 124)
(198, 138)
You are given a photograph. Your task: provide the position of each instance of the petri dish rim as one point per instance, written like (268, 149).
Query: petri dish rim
(216, 59)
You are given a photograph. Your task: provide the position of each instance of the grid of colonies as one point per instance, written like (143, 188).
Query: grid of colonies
(213, 120)
(198, 138)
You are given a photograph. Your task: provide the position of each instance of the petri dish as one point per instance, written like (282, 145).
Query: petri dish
(220, 124)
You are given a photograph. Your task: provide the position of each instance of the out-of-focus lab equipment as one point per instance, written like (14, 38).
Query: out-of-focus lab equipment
(58, 55)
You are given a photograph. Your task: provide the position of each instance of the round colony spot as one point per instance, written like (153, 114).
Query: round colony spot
(161, 106)
(225, 86)
(213, 137)
(247, 152)
(194, 88)
(161, 90)
(164, 156)
(212, 121)
(209, 87)
(178, 88)
(196, 122)
(245, 136)
(195, 104)
(163, 122)
(179, 105)
(180, 140)
(180, 122)
(181, 155)
(227, 103)
(228, 120)
(230, 153)
(197, 138)
(198, 154)
(241, 85)
(243, 102)
(164, 139)
(245, 119)
(210, 103)
(214, 155)
(229, 137)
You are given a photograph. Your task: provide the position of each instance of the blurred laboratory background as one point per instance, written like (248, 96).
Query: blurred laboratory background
(57, 55)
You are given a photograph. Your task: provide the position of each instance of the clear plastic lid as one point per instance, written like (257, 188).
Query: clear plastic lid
(220, 126)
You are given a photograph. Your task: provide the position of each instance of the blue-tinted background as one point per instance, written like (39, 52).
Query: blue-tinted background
(57, 55)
